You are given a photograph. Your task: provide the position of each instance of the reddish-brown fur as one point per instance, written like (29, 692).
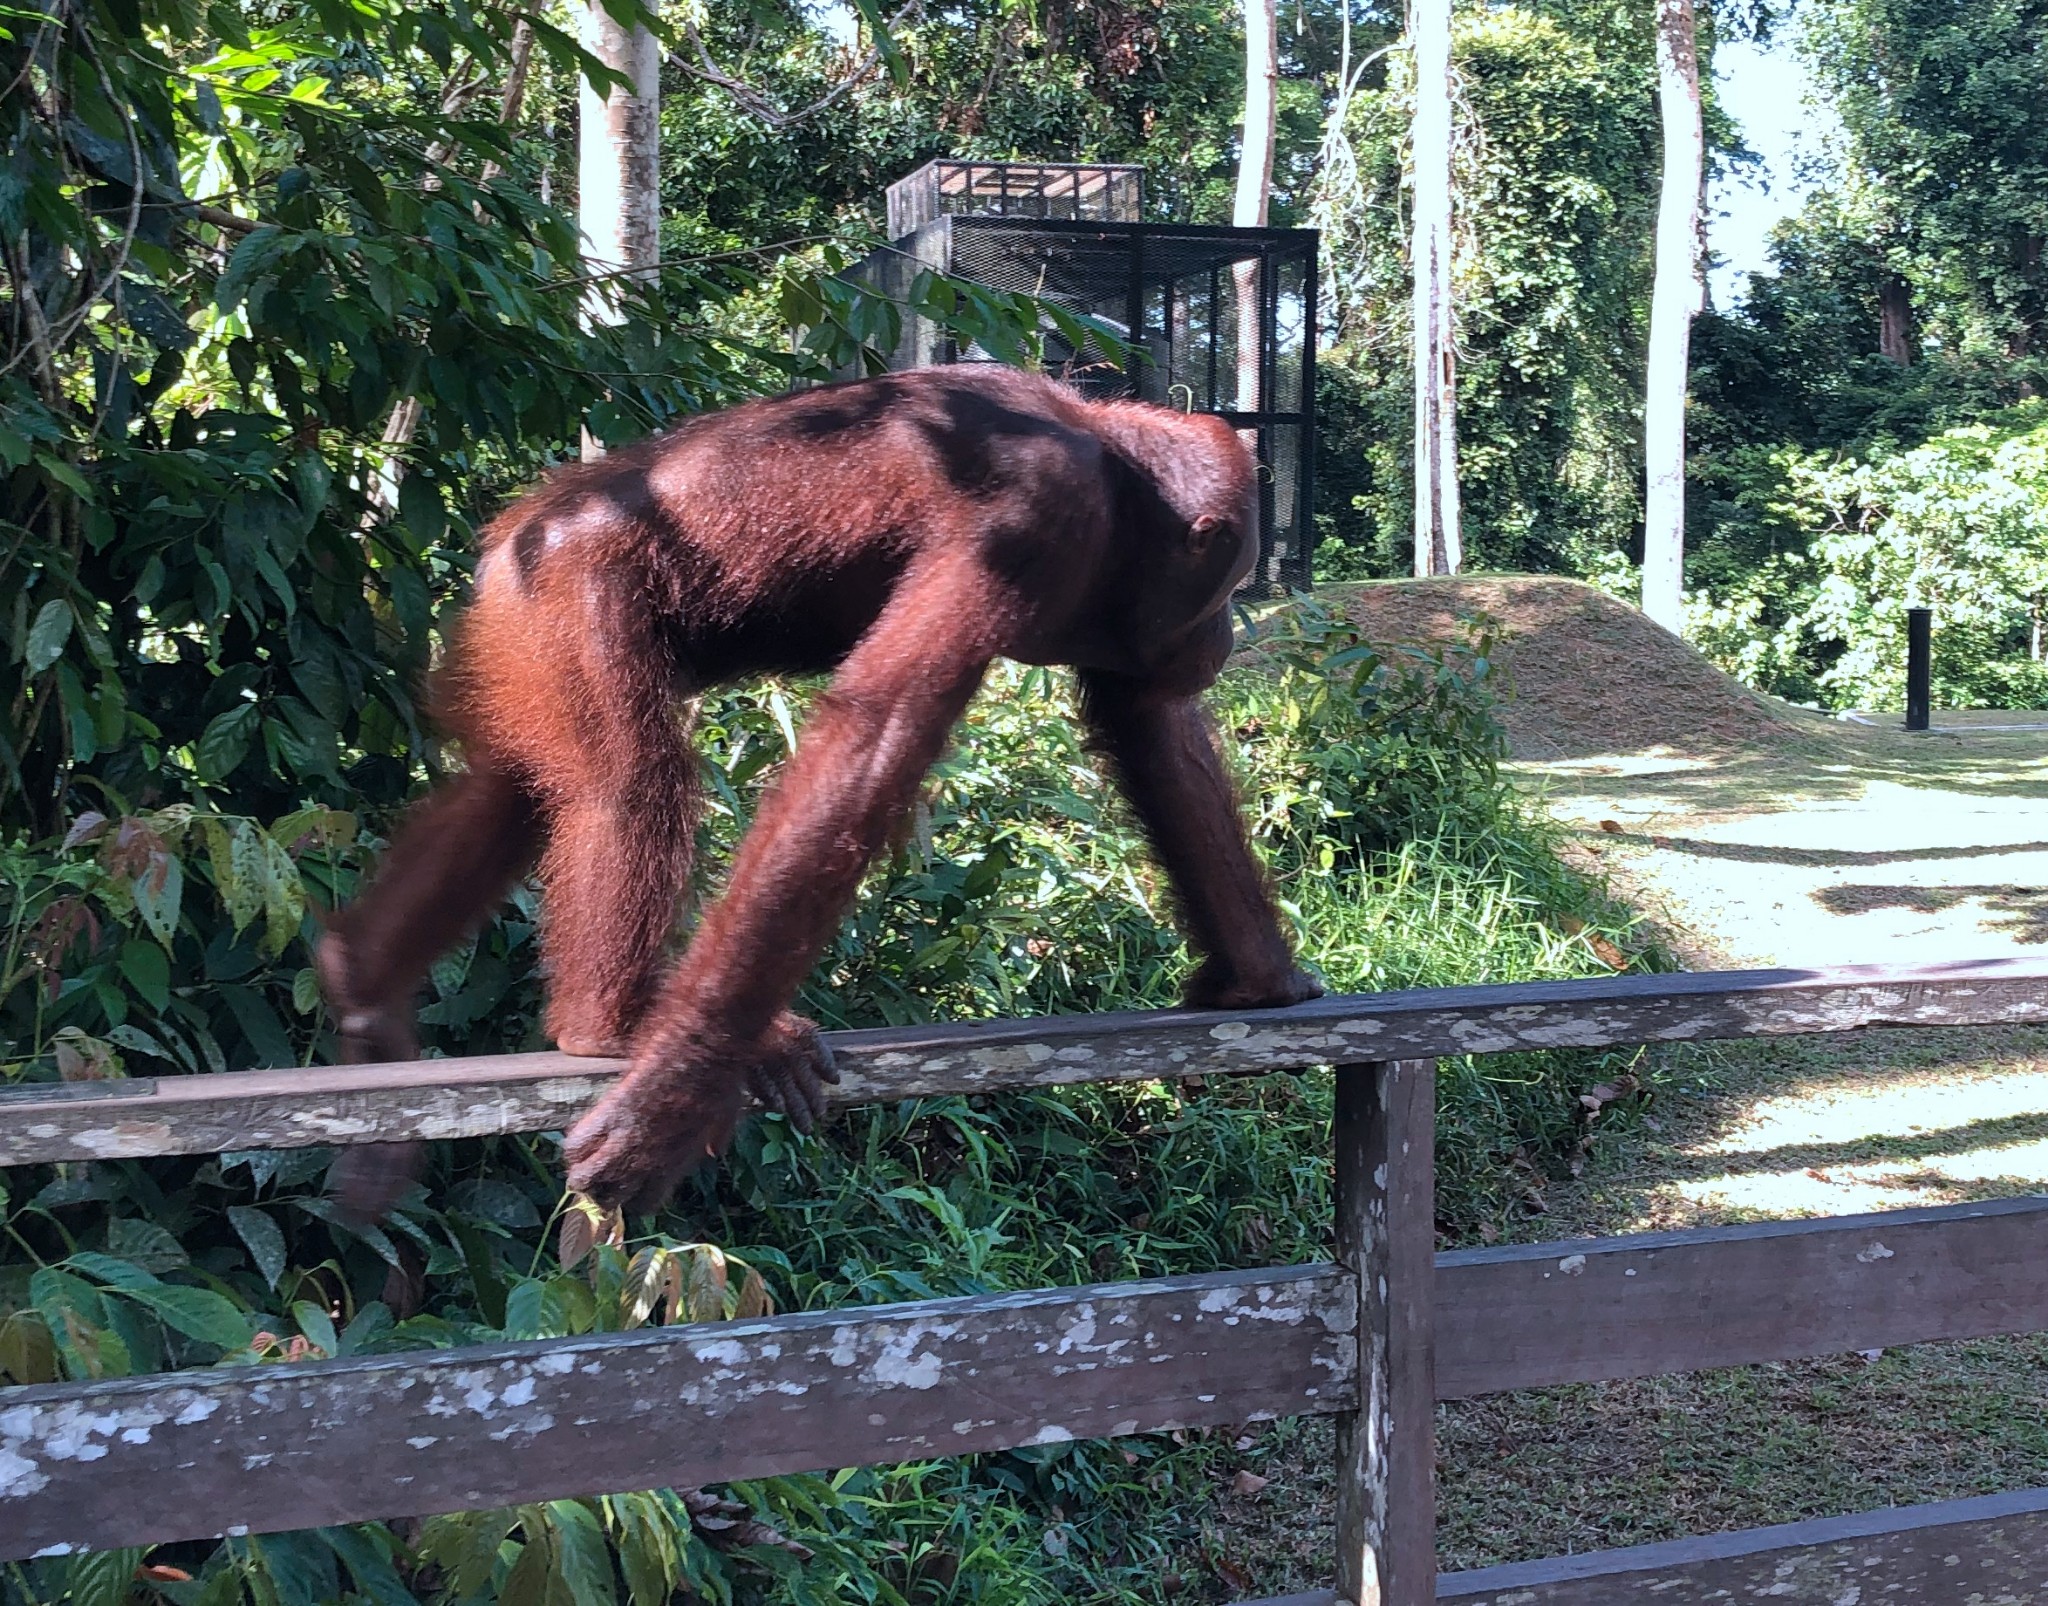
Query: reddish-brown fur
(903, 532)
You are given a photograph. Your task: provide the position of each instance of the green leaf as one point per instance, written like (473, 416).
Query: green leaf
(159, 892)
(317, 1325)
(115, 1273)
(27, 1352)
(284, 897)
(300, 1568)
(567, 1307)
(148, 971)
(145, 1244)
(225, 743)
(646, 1546)
(527, 1583)
(420, 510)
(263, 1238)
(368, 1553)
(523, 1308)
(196, 1312)
(46, 637)
(102, 1578)
(237, 863)
(64, 474)
(582, 1556)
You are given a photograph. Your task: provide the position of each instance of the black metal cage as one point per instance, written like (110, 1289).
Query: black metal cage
(1222, 321)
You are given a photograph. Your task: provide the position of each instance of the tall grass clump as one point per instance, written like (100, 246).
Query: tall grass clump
(175, 941)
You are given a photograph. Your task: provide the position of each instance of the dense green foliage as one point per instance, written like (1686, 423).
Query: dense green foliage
(1555, 170)
(1392, 837)
(1956, 524)
(1837, 482)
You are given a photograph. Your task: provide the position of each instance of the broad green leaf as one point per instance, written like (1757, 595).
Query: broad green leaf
(263, 1238)
(317, 1326)
(196, 1312)
(284, 897)
(148, 971)
(225, 742)
(527, 1583)
(582, 1556)
(159, 895)
(238, 863)
(46, 637)
(27, 1352)
(145, 1244)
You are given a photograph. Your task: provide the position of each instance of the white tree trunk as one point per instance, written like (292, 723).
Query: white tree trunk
(1252, 204)
(1254, 184)
(1674, 301)
(618, 172)
(1439, 545)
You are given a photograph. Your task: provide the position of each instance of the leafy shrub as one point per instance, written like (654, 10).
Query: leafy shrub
(174, 940)
(1959, 524)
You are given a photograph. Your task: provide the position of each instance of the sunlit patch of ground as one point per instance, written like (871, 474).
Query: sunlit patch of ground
(1753, 834)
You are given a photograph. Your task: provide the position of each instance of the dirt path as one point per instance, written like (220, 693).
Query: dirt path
(1846, 849)
(1755, 834)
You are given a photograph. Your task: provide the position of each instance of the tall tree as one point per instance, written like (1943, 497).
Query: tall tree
(1674, 303)
(1940, 102)
(618, 169)
(1255, 182)
(1439, 546)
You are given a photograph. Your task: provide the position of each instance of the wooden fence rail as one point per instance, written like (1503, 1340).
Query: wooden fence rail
(492, 1094)
(1373, 1339)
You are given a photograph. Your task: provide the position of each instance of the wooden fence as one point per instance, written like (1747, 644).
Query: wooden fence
(1373, 1338)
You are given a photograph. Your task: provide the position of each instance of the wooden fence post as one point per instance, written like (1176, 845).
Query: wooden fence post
(1385, 1140)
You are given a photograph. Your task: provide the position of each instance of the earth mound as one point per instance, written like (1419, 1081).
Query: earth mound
(1587, 674)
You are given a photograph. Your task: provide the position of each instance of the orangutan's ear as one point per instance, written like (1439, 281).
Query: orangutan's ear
(1203, 532)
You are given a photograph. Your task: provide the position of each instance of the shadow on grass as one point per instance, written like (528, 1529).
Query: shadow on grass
(1820, 767)
(2023, 911)
(1820, 858)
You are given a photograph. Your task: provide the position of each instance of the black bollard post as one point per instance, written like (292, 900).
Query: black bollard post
(1919, 666)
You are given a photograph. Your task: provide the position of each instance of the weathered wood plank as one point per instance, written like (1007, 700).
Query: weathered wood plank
(1384, 1135)
(192, 1455)
(1993, 1551)
(1598, 1308)
(541, 1092)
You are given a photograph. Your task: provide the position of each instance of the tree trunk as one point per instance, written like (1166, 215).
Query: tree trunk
(1673, 303)
(618, 171)
(1254, 183)
(1895, 320)
(1252, 206)
(1439, 544)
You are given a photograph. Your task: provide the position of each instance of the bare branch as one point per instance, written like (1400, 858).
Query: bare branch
(755, 100)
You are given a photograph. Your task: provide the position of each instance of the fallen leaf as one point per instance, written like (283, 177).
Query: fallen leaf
(160, 1573)
(1607, 953)
(1247, 1483)
(1236, 1577)
(1612, 827)
(1605, 1093)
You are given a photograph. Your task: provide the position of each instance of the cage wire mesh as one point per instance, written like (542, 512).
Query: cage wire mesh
(1222, 319)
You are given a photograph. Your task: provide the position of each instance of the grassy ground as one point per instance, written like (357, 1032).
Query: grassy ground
(1738, 1132)
(1750, 832)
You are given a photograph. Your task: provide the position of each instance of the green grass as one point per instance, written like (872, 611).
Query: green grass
(1401, 856)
